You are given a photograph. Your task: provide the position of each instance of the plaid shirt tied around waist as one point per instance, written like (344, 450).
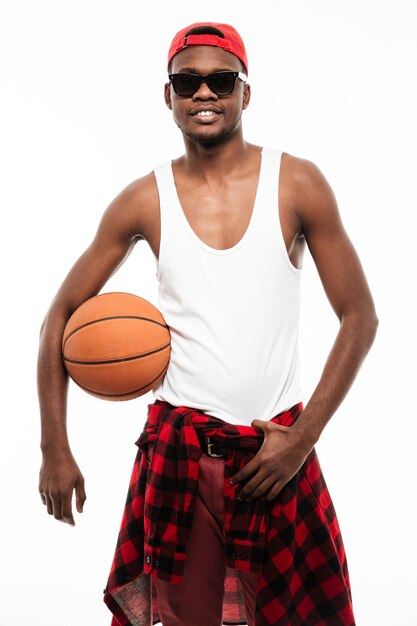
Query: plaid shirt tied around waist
(293, 542)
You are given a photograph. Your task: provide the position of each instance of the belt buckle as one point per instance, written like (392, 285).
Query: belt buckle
(209, 445)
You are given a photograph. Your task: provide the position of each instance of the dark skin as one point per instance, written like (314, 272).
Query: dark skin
(220, 170)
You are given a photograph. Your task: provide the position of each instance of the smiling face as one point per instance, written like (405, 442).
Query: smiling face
(205, 117)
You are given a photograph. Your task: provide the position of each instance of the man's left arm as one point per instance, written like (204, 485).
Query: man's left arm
(285, 448)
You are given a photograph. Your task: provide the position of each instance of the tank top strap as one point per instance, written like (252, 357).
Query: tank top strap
(269, 221)
(163, 180)
(266, 218)
(271, 171)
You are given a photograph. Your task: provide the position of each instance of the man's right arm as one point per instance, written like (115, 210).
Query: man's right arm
(119, 229)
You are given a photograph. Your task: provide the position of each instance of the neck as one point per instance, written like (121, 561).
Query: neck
(224, 156)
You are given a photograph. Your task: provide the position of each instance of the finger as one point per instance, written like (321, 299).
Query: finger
(66, 511)
(43, 499)
(56, 504)
(251, 486)
(49, 506)
(246, 471)
(274, 491)
(80, 495)
(261, 489)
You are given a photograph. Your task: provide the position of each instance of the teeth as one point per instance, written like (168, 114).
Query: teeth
(206, 113)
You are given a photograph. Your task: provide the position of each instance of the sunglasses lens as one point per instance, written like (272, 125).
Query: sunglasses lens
(185, 84)
(222, 83)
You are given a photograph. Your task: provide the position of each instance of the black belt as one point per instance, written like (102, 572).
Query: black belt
(211, 447)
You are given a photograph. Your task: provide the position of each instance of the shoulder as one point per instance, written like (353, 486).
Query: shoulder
(304, 175)
(141, 192)
(312, 197)
(133, 207)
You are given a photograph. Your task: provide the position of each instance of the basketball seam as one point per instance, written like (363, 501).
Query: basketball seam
(109, 361)
(112, 317)
(126, 393)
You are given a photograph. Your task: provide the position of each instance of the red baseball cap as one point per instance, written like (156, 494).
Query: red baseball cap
(231, 40)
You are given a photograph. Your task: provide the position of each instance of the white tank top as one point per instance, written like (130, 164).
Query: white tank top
(233, 314)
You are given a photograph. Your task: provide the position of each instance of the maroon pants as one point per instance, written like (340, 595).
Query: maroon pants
(199, 600)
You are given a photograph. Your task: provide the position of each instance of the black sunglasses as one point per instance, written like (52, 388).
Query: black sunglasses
(220, 83)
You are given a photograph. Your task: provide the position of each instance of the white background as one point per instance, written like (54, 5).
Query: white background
(82, 115)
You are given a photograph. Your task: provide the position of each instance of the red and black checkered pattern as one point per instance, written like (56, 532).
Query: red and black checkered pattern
(293, 542)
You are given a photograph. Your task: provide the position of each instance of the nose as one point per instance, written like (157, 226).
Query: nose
(204, 93)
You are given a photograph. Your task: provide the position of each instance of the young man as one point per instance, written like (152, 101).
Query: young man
(228, 223)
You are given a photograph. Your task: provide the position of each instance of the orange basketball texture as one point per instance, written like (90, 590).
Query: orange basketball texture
(116, 346)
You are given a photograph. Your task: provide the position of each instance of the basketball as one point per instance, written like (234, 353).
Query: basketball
(116, 346)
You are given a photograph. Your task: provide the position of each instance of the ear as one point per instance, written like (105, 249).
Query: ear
(167, 95)
(246, 96)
